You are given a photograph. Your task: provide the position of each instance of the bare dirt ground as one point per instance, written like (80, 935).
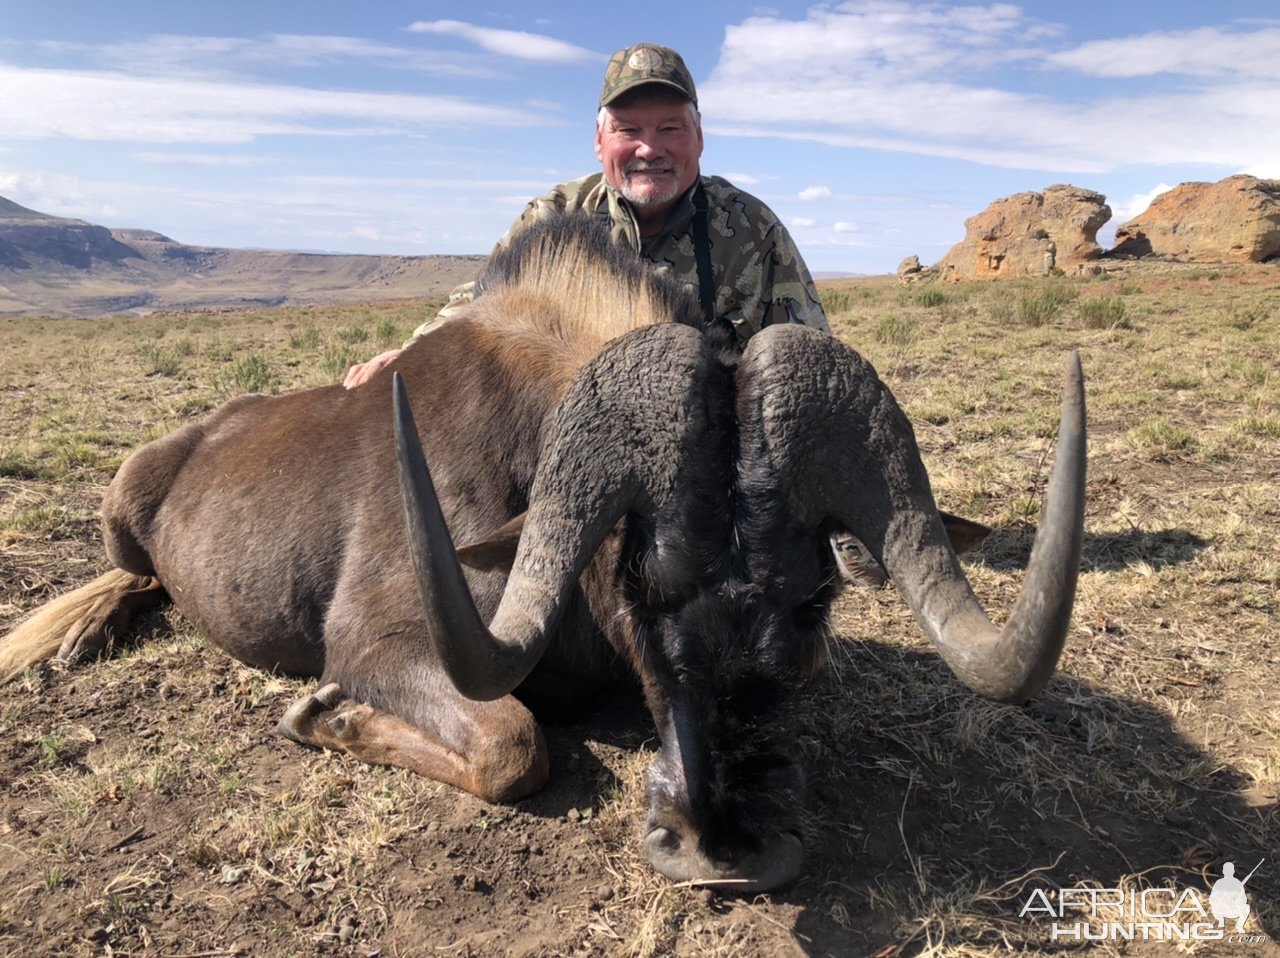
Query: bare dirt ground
(148, 808)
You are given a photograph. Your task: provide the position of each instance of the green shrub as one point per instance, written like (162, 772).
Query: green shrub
(1104, 312)
(308, 338)
(930, 296)
(337, 358)
(1266, 427)
(44, 522)
(1038, 308)
(161, 362)
(895, 331)
(249, 374)
(835, 301)
(13, 466)
(1160, 439)
(387, 331)
(1246, 317)
(1001, 308)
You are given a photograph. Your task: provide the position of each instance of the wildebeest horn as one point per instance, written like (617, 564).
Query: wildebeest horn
(848, 455)
(617, 441)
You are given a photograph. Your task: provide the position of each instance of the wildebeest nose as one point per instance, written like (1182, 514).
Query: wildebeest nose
(678, 856)
(665, 839)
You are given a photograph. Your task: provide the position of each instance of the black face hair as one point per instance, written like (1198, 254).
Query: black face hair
(729, 601)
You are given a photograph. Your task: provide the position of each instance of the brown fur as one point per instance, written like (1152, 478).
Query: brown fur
(275, 524)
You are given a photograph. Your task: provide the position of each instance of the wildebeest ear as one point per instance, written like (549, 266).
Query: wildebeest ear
(497, 550)
(963, 533)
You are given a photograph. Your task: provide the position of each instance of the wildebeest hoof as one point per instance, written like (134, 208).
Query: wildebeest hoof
(328, 695)
(121, 598)
(299, 721)
(87, 638)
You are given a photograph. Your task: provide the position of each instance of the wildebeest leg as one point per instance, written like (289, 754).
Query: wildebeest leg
(501, 755)
(108, 618)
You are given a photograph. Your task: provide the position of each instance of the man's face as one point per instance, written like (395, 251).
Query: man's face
(649, 146)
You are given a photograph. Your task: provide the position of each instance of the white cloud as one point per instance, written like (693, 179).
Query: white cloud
(198, 159)
(1125, 210)
(510, 43)
(116, 106)
(419, 184)
(811, 194)
(52, 193)
(1267, 168)
(978, 83)
(1204, 52)
(201, 56)
(843, 227)
(800, 222)
(742, 179)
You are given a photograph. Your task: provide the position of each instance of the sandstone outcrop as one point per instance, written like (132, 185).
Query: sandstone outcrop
(1234, 220)
(1029, 234)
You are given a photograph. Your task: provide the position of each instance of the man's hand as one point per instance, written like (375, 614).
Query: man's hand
(361, 373)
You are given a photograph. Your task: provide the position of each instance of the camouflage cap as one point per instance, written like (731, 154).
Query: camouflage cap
(646, 63)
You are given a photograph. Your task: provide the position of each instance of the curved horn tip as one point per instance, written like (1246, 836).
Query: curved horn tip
(1015, 663)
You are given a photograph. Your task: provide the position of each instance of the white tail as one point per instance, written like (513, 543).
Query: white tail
(39, 637)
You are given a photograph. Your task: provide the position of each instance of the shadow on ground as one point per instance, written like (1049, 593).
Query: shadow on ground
(1009, 548)
(938, 813)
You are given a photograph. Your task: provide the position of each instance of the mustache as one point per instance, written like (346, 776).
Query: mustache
(640, 166)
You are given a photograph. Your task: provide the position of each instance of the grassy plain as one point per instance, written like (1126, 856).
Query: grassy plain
(149, 810)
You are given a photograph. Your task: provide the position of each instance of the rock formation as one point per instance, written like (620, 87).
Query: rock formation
(1029, 234)
(1233, 220)
(26, 235)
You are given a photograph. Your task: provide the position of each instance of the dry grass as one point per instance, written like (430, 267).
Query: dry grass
(1152, 758)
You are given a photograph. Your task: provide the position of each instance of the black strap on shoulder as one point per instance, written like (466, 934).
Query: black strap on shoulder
(702, 250)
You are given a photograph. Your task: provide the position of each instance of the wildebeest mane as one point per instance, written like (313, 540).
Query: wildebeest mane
(572, 258)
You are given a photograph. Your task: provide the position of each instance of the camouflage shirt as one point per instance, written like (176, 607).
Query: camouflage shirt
(760, 278)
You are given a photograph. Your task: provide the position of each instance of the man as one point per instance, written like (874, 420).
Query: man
(722, 242)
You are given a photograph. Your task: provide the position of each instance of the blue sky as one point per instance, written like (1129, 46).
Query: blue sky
(872, 128)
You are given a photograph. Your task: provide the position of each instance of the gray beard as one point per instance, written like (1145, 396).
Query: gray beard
(649, 198)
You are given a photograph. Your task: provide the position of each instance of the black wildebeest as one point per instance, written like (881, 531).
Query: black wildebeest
(631, 494)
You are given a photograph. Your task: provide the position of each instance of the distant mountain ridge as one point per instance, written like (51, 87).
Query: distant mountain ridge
(27, 235)
(58, 266)
(9, 210)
